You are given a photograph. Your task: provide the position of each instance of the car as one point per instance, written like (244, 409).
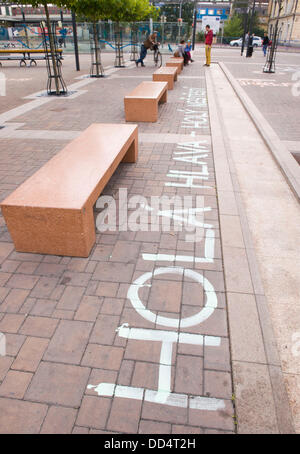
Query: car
(257, 42)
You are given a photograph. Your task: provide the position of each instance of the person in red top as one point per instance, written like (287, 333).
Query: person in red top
(209, 35)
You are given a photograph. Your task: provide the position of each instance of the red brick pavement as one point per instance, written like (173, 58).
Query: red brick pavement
(61, 315)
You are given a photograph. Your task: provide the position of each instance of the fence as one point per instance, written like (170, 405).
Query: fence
(169, 34)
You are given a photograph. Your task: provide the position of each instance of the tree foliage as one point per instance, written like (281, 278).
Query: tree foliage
(234, 27)
(115, 10)
(172, 12)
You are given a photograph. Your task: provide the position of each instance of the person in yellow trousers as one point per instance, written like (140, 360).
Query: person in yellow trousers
(209, 35)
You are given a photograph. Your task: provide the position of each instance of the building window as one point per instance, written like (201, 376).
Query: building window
(211, 12)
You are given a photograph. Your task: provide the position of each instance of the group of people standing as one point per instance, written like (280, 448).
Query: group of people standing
(184, 48)
(250, 44)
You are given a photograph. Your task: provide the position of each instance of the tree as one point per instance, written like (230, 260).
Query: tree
(128, 11)
(45, 4)
(234, 27)
(172, 12)
(92, 11)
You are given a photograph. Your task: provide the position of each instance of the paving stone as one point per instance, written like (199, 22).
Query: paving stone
(71, 298)
(15, 384)
(114, 272)
(102, 356)
(89, 308)
(44, 287)
(112, 306)
(20, 417)
(69, 342)
(124, 415)
(94, 412)
(165, 296)
(189, 375)
(30, 354)
(22, 281)
(58, 384)
(13, 343)
(39, 326)
(101, 376)
(108, 289)
(14, 301)
(59, 420)
(217, 384)
(154, 427)
(104, 330)
(11, 323)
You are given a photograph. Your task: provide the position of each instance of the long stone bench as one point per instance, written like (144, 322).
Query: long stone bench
(142, 103)
(166, 74)
(52, 212)
(177, 62)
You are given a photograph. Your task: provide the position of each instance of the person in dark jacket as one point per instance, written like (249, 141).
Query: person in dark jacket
(250, 46)
(265, 43)
(149, 44)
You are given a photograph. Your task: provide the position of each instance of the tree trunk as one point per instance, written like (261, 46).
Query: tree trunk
(96, 41)
(52, 50)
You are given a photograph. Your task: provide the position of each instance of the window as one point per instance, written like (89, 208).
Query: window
(211, 12)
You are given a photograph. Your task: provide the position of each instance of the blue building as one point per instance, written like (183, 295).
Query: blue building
(213, 14)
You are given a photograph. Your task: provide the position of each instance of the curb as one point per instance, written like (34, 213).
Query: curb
(266, 368)
(286, 162)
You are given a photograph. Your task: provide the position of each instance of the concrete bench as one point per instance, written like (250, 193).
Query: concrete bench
(166, 74)
(177, 62)
(142, 103)
(52, 212)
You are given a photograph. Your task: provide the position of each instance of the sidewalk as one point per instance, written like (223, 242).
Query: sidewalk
(200, 356)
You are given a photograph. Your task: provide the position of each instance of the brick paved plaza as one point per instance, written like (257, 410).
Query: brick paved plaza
(155, 333)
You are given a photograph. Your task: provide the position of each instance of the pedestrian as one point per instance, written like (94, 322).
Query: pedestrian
(150, 43)
(266, 43)
(188, 50)
(209, 35)
(250, 46)
(180, 52)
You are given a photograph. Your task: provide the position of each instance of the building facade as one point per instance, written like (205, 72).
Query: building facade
(287, 12)
(215, 14)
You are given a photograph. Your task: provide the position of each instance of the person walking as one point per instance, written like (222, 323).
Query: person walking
(250, 46)
(209, 35)
(150, 42)
(265, 44)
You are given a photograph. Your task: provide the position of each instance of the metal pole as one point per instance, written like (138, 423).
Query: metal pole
(75, 37)
(251, 25)
(246, 19)
(195, 26)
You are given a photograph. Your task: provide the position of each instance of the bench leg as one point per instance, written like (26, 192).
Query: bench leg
(132, 152)
(164, 97)
(51, 231)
